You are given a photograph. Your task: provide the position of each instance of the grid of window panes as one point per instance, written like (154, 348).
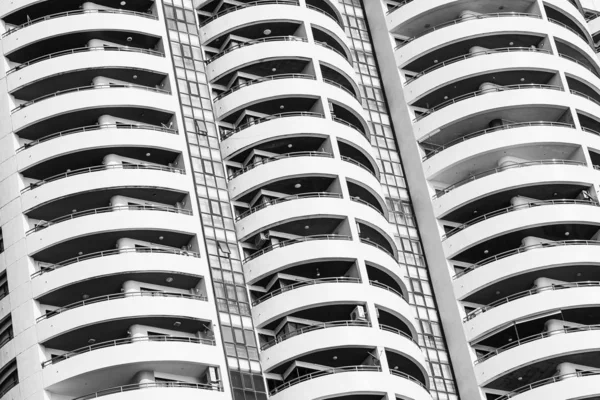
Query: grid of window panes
(411, 258)
(217, 218)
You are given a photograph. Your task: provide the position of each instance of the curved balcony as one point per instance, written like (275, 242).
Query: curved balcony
(293, 124)
(91, 265)
(178, 390)
(275, 47)
(93, 128)
(467, 19)
(77, 12)
(527, 307)
(484, 92)
(502, 169)
(81, 20)
(486, 131)
(297, 285)
(85, 88)
(276, 158)
(468, 56)
(525, 293)
(329, 293)
(317, 249)
(270, 11)
(295, 241)
(118, 296)
(295, 167)
(561, 386)
(260, 80)
(124, 306)
(125, 341)
(102, 210)
(518, 207)
(339, 381)
(87, 170)
(337, 334)
(310, 195)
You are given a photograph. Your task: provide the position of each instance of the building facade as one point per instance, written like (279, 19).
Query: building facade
(299, 199)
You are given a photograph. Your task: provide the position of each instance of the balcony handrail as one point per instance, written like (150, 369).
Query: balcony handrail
(482, 92)
(95, 127)
(100, 168)
(518, 250)
(407, 376)
(572, 59)
(257, 121)
(289, 38)
(118, 296)
(277, 158)
(504, 168)
(583, 128)
(327, 46)
(466, 19)
(101, 210)
(128, 340)
(263, 79)
(475, 54)
(593, 17)
(509, 209)
(385, 287)
(581, 35)
(353, 161)
(527, 293)
(495, 129)
(82, 50)
(308, 195)
(317, 9)
(593, 100)
(331, 371)
(547, 381)
(13, 382)
(150, 385)
(297, 285)
(48, 267)
(78, 12)
(89, 87)
(311, 328)
(247, 5)
(294, 241)
(397, 6)
(380, 247)
(397, 331)
(340, 86)
(366, 203)
(341, 121)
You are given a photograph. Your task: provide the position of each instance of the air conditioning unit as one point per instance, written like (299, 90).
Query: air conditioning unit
(261, 239)
(358, 314)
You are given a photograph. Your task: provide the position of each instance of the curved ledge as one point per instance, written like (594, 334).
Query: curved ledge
(355, 379)
(562, 386)
(127, 307)
(144, 220)
(339, 334)
(527, 307)
(523, 260)
(531, 175)
(104, 177)
(52, 65)
(155, 391)
(309, 296)
(521, 218)
(50, 277)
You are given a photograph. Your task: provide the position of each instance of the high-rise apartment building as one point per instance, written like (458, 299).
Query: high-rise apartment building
(299, 199)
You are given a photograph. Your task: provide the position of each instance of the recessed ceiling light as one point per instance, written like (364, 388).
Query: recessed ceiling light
(123, 3)
(522, 79)
(85, 296)
(475, 211)
(497, 292)
(567, 233)
(554, 194)
(129, 38)
(161, 237)
(147, 154)
(273, 69)
(445, 97)
(267, 31)
(520, 378)
(281, 107)
(579, 274)
(511, 43)
(435, 61)
(92, 341)
(306, 226)
(290, 146)
(486, 251)
(74, 210)
(135, 77)
(169, 279)
(334, 357)
(80, 253)
(395, 367)
(298, 185)
(177, 323)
